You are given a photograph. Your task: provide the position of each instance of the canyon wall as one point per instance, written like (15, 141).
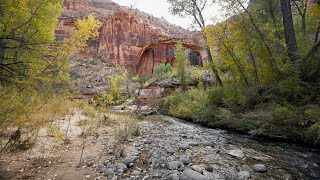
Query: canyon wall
(124, 33)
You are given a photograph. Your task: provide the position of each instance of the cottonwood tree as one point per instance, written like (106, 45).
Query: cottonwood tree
(289, 32)
(33, 65)
(181, 64)
(302, 7)
(195, 8)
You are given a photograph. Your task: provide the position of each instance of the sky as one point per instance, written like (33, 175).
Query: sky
(160, 8)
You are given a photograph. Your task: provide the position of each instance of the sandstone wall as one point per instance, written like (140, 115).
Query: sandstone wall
(123, 34)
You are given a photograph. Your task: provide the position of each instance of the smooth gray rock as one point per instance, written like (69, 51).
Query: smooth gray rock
(148, 142)
(198, 168)
(135, 173)
(130, 165)
(117, 108)
(209, 168)
(109, 173)
(243, 175)
(100, 166)
(174, 165)
(184, 146)
(259, 168)
(189, 174)
(237, 153)
(173, 177)
(121, 166)
(89, 163)
(120, 171)
(185, 160)
(287, 177)
(132, 108)
(193, 143)
(207, 143)
(128, 160)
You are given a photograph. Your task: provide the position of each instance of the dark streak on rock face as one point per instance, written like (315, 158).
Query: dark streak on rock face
(123, 33)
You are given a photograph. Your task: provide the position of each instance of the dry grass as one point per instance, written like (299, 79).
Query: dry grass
(83, 129)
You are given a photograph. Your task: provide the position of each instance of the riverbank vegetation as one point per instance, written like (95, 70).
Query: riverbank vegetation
(269, 65)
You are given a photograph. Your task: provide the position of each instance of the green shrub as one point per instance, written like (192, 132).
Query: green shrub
(291, 88)
(162, 70)
(233, 97)
(192, 104)
(251, 96)
(216, 96)
(313, 112)
(282, 115)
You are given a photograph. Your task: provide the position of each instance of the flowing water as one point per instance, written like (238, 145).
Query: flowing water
(171, 139)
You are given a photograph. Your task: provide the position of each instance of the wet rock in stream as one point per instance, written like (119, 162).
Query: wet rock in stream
(259, 168)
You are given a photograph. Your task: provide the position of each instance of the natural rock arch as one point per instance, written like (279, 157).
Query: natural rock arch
(162, 52)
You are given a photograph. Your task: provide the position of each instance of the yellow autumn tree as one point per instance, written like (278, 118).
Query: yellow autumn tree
(33, 66)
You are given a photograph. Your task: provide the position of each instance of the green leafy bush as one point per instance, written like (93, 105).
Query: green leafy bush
(192, 104)
(115, 94)
(216, 96)
(162, 70)
(282, 115)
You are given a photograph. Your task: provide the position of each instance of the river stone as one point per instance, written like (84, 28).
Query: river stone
(184, 136)
(169, 150)
(259, 168)
(146, 110)
(209, 168)
(236, 153)
(184, 146)
(90, 160)
(109, 173)
(197, 168)
(243, 175)
(148, 142)
(189, 174)
(102, 170)
(174, 165)
(185, 160)
(128, 160)
(135, 173)
(173, 177)
(207, 143)
(130, 165)
(287, 177)
(99, 166)
(121, 166)
(133, 108)
(193, 143)
(117, 108)
(120, 171)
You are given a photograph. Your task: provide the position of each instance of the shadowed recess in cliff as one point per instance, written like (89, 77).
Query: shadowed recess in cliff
(163, 52)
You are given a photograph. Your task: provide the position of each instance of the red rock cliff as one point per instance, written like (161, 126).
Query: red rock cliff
(123, 34)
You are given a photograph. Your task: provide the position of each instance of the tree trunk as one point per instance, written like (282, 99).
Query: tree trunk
(289, 30)
(316, 38)
(215, 71)
(273, 17)
(303, 19)
(256, 76)
(2, 53)
(198, 17)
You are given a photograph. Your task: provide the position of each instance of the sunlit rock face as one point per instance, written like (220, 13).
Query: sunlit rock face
(123, 35)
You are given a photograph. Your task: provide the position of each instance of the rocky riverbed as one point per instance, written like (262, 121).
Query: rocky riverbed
(172, 149)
